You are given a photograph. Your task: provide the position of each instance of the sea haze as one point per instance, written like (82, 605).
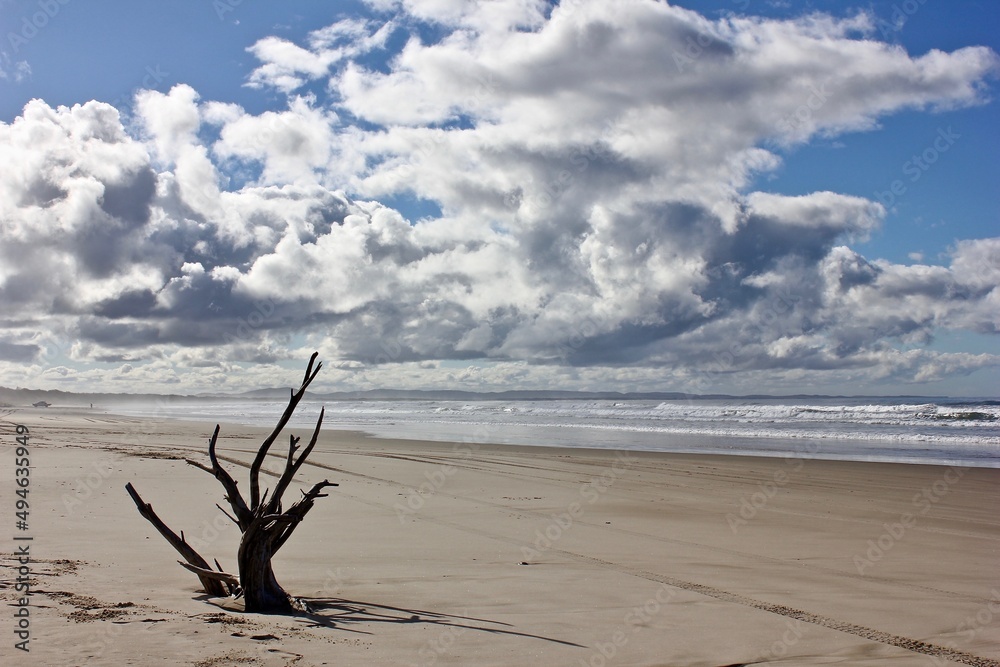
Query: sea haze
(965, 432)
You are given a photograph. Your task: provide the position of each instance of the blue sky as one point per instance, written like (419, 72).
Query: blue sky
(362, 113)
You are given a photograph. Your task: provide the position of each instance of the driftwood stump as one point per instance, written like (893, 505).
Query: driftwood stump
(265, 525)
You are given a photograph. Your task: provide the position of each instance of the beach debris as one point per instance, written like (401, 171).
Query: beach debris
(264, 523)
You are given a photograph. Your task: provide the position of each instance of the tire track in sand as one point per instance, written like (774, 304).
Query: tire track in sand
(865, 632)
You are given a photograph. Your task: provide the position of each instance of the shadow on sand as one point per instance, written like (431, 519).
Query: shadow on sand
(340, 614)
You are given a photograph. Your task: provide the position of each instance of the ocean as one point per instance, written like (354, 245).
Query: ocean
(945, 432)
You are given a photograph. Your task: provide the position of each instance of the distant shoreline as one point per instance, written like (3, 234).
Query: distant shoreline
(22, 397)
(892, 433)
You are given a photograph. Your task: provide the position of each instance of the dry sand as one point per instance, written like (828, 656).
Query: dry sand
(474, 554)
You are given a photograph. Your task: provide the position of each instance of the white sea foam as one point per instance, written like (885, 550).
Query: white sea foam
(868, 430)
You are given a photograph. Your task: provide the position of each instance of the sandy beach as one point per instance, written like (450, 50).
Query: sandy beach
(478, 554)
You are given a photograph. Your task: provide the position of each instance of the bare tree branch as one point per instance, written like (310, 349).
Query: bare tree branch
(234, 588)
(300, 509)
(293, 401)
(230, 516)
(224, 577)
(202, 466)
(212, 586)
(233, 495)
(293, 467)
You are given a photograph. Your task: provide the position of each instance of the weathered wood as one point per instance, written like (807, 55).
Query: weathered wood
(265, 527)
(293, 402)
(233, 586)
(292, 466)
(224, 577)
(299, 510)
(233, 495)
(261, 590)
(212, 586)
